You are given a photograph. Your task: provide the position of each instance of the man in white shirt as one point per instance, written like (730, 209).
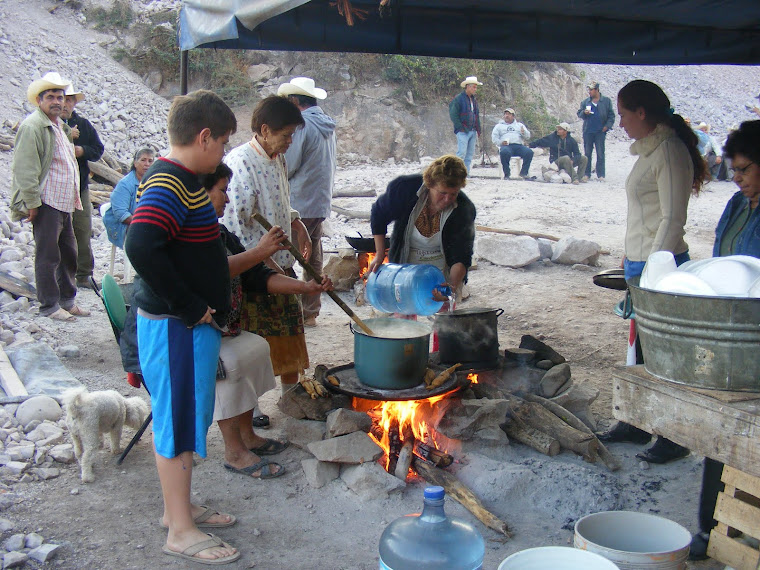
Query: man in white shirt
(510, 135)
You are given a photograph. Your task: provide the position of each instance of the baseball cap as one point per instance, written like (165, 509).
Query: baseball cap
(593, 85)
(510, 110)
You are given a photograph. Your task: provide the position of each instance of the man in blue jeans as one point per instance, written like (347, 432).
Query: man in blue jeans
(510, 136)
(465, 115)
(598, 118)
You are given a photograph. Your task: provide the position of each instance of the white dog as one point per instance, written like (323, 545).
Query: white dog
(90, 414)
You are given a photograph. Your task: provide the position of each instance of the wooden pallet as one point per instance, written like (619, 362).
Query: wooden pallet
(737, 511)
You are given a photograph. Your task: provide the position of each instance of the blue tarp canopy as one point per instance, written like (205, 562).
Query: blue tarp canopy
(656, 32)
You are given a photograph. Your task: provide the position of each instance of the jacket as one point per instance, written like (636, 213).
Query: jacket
(91, 146)
(123, 203)
(604, 108)
(658, 190)
(510, 132)
(465, 119)
(749, 240)
(311, 164)
(396, 205)
(558, 147)
(32, 157)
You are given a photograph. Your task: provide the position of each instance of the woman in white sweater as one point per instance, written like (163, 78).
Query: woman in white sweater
(668, 171)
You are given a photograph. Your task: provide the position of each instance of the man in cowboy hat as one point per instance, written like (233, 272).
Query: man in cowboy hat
(598, 118)
(45, 190)
(510, 136)
(465, 115)
(563, 149)
(87, 146)
(311, 172)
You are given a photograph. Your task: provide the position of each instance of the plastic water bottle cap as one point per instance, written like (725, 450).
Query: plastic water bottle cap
(434, 493)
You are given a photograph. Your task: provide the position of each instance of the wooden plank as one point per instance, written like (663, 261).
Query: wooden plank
(726, 432)
(747, 483)
(732, 552)
(9, 380)
(738, 514)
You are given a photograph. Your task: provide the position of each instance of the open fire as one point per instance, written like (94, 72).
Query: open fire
(365, 260)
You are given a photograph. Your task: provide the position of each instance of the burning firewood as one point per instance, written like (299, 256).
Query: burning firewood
(435, 456)
(443, 376)
(394, 445)
(404, 461)
(456, 489)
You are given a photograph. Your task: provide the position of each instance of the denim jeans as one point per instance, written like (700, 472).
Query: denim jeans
(591, 141)
(466, 146)
(634, 268)
(506, 152)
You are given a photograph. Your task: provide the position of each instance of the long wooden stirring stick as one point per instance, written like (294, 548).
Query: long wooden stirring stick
(318, 278)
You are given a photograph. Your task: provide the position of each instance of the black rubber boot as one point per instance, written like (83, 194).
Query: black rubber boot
(622, 431)
(663, 451)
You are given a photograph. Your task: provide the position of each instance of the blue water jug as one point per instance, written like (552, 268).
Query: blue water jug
(431, 540)
(405, 289)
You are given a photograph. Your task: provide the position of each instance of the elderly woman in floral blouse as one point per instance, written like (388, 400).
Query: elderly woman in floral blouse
(260, 184)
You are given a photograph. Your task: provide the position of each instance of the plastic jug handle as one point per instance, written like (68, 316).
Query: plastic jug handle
(444, 290)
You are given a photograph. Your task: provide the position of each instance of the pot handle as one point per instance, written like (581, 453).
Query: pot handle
(499, 312)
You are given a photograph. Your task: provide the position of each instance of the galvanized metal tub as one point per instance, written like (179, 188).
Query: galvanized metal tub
(705, 342)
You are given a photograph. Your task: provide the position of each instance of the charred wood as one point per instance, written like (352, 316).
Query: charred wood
(435, 456)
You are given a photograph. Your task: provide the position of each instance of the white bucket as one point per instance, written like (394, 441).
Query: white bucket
(634, 541)
(556, 558)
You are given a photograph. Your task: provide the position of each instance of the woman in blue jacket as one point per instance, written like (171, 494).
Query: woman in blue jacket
(119, 215)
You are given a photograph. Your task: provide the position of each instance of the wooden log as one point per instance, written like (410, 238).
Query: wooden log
(113, 163)
(458, 491)
(404, 461)
(355, 193)
(541, 442)
(609, 460)
(536, 416)
(515, 232)
(394, 445)
(350, 213)
(105, 172)
(439, 458)
(16, 286)
(9, 379)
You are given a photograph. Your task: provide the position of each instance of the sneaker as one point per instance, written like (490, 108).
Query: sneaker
(310, 322)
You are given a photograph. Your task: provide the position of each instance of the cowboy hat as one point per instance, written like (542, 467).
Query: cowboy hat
(71, 91)
(470, 80)
(564, 126)
(51, 80)
(703, 126)
(301, 86)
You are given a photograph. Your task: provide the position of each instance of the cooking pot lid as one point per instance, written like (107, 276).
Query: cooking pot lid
(611, 279)
(468, 311)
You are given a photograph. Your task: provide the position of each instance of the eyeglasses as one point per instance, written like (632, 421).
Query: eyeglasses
(742, 171)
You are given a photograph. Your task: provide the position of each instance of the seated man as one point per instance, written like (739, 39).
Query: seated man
(510, 136)
(563, 149)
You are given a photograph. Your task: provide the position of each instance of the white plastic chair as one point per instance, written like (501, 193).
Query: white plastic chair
(127, 266)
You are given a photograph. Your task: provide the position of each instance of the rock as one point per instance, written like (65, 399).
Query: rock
(343, 421)
(520, 355)
(370, 481)
(543, 351)
(45, 431)
(554, 379)
(20, 452)
(14, 560)
(14, 542)
(298, 404)
(45, 553)
(46, 473)
(303, 432)
(544, 364)
(570, 250)
(5, 525)
(63, 453)
(6, 501)
(355, 447)
(319, 473)
(577, 399)
(545, 247)
(342, 270)
(69, 351)
(16, 467)
(33, 540)
(40, 369)
(583, 267)
(38, 408)
(509, 251)
(462, 421)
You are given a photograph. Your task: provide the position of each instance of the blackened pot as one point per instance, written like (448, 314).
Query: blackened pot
(468, 336)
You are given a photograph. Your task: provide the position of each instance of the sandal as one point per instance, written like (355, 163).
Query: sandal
(270, 447)
(190, 552)
(261, 421)
(264, 465)
(79, 311)
(62, 315)
(207, 513)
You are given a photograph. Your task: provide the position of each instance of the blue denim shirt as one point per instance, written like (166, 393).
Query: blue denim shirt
(749, 240)
(123, 202)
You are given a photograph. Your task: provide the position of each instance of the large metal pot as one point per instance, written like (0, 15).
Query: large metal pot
(468, 336)
(396, 357)
(705, 342)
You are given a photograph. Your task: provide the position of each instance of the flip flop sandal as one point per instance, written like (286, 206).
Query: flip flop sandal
(271, 447)
(190, 552)
(265, 466)
(261, 421)
(79, 311)
(207, 513)
(62, 315)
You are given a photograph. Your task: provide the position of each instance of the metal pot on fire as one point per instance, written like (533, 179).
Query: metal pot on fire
(396, 357)
(468, 336)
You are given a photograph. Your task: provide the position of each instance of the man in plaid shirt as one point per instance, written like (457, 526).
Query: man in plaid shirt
(45, 190)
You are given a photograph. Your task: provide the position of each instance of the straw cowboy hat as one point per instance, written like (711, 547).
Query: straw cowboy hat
(71, 91)
(301, 86)
(704, 126)
(564, 126)
(470, 80)
(50, 80)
